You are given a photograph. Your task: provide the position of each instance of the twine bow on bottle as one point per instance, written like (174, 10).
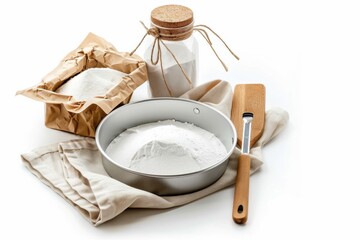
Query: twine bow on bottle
(159, 37)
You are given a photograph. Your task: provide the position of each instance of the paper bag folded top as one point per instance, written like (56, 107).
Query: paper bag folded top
(64, 112)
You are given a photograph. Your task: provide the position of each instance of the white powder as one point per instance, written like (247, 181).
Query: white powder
(166, 147)
(175, 78)
(90, 83)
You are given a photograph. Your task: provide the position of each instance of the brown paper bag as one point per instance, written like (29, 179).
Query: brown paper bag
(64, 112)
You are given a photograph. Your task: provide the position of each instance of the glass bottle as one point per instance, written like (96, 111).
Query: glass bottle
(174, 70)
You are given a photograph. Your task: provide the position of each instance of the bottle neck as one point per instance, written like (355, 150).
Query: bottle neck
(173, 34)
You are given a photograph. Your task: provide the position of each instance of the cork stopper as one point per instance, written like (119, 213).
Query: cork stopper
(172, 16)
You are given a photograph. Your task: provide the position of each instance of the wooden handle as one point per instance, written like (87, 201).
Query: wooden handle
(241, 196)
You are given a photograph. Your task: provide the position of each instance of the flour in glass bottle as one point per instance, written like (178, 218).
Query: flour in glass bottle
(173, 74)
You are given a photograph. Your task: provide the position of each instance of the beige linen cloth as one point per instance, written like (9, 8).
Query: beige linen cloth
(74, 169)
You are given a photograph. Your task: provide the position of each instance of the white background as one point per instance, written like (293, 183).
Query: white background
(307, 53)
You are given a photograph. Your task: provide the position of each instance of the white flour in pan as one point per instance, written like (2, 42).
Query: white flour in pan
(166, 147)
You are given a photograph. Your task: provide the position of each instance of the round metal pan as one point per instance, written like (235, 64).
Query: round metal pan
(157, 109)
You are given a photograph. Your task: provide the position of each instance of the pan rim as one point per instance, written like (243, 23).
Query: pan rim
(167, 176)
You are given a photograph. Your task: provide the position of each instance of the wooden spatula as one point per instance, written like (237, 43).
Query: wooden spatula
(248, 98)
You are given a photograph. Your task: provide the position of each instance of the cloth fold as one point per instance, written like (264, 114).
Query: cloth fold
(74, 169)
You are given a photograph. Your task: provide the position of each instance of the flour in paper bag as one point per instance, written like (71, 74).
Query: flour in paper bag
(91, 83)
